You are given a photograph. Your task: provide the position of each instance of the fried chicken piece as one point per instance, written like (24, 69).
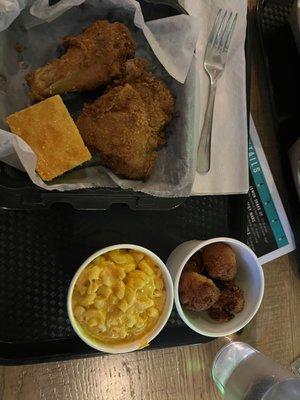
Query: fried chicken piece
(196, 292)
(153, 91)
(231, 301)
(117, 126)
(93, 58)
(219, 261)
(124, 125)
(195, 263)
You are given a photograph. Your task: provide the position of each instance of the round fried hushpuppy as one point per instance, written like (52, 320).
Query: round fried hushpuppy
(230, 302)
(194, 264)
(196, 292)
(219, 261)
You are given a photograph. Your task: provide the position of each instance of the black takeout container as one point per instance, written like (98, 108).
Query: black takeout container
(17, 192)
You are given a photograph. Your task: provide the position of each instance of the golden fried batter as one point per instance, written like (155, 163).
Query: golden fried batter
(153, 91)
(117, 126)
(231, 301)
(93, 58)
(219, 261)
(124, 125)
(196, 292)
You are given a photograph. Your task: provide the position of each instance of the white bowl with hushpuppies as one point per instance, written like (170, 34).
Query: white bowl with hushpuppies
(218, 285)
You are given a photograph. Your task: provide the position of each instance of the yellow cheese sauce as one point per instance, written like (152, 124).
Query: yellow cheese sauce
(118, 297)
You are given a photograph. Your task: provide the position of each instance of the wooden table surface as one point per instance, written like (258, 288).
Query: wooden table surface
(181, 373)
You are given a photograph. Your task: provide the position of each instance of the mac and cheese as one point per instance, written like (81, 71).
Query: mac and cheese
(119, 296)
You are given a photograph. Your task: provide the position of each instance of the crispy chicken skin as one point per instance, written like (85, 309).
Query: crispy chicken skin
(219, 261)
(153, 91)
(117, 126)
(231, 301)
(93, 58)
(196, 292)
(124, 125)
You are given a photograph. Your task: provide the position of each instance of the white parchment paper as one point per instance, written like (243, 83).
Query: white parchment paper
(229, 171)
(167, 43)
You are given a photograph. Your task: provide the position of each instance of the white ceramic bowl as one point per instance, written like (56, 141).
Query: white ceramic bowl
(249, 277)
(141, 342)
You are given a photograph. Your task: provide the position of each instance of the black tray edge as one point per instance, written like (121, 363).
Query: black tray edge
(98, 199)
(17, 357)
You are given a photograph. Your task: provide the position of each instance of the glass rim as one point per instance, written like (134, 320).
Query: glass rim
(228, 371)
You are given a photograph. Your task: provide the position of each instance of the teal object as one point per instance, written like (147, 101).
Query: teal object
(265, 197)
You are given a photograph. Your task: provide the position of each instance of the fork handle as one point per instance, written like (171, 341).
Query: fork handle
(204, 147)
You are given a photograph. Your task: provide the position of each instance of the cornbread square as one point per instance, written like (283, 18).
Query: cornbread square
(49, 130)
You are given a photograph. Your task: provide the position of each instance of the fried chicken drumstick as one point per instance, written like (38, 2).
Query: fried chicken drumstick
(93, 58)
(124, 125)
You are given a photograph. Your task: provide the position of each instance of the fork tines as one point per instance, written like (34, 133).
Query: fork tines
(221, 33)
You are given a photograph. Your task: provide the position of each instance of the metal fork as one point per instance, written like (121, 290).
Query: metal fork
(214, 64)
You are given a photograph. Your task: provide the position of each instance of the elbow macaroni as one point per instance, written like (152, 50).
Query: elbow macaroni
(119, 296)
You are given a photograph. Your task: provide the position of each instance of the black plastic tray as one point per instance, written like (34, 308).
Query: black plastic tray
(282, 63)
(41, 250)
(17, 192)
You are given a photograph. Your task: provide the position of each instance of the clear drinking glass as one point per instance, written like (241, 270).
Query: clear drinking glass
(243, 373)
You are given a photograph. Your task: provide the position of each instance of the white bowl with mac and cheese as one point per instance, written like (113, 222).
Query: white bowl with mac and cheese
(120, 298)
